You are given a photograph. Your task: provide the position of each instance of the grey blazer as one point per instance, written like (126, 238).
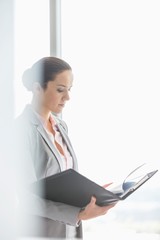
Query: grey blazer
(38, 158)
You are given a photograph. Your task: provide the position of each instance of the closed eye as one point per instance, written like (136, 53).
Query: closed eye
(63, 89)
(60, 90)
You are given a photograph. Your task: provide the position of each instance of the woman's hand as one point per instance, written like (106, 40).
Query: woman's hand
(92, 210)
(106, 185)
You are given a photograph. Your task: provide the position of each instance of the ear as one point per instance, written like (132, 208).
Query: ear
(37, 88)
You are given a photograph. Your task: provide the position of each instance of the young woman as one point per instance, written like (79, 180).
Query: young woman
(45, 149)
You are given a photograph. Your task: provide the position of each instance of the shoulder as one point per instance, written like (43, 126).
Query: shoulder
(21, 121)
(28, 116)
(26, 122)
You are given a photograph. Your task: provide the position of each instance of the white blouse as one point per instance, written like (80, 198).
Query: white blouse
(67, 158)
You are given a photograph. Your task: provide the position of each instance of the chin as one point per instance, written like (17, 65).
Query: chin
(57, 112)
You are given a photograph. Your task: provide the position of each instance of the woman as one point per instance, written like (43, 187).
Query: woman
(45, 149)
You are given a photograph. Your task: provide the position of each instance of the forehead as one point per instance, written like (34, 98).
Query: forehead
(64, 78)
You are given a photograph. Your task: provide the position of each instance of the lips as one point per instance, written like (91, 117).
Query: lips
(61, 105)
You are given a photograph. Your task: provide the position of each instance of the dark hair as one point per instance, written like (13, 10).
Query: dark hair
(43, 71)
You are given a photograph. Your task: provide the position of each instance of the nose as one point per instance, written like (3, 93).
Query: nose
(67, 96)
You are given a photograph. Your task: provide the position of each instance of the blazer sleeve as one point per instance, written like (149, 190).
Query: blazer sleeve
(34, 205)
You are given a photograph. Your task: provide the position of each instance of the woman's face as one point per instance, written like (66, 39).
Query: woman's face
(54, 97)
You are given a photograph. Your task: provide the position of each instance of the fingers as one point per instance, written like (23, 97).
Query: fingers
(107, 184)
(93, 203)
(99, 210)
(93, 200)
(92, 210)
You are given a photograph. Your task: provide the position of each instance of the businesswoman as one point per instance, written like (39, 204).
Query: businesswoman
(44, 149)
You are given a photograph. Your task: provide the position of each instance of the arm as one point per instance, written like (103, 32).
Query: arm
(35, 205)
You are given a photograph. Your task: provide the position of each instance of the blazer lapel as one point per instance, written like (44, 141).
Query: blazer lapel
(50, 145)
(35, 121)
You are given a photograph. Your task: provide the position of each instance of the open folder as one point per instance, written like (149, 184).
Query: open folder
(71, 187)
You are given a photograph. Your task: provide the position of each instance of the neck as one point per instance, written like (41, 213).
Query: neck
(41, 111)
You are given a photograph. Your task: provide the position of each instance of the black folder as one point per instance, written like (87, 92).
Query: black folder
(72, 188)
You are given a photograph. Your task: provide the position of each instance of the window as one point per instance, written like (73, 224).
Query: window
(113, 115)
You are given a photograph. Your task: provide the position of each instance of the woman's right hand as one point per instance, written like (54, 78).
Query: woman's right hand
(92, 210)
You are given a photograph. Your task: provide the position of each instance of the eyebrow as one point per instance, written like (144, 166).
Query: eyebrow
(61, 85)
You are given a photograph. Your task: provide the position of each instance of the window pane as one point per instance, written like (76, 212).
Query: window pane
(113, 115)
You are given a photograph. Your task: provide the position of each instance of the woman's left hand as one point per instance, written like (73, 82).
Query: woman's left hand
(106, 185)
